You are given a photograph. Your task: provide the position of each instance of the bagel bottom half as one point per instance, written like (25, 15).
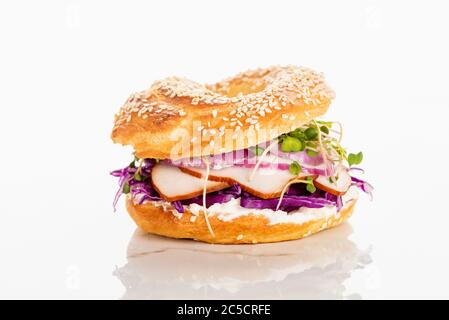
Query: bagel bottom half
(245, 229)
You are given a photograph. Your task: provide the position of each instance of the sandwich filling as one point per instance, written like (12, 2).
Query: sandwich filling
(303, 172)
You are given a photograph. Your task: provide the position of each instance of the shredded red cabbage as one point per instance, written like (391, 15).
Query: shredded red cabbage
(212, 198)
(141, 190)
(297, 196)
(364, 186)
(178, 206)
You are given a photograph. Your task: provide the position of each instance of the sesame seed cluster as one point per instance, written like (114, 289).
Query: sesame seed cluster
(182, 87)
(141, 105)
(236, 103)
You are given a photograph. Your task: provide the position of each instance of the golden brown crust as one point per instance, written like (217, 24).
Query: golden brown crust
(177, 117)
(245, 229)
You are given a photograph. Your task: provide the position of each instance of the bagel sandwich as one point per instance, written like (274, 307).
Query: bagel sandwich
(244, 160)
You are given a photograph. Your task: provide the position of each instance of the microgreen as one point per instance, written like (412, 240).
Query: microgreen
(311, 153)
(290, 144)
(316, 137)
(311, 133)
(126, 188)
(355, 158)
(138, 176)
(298, 134)
(258, 150)
(295, 168)
(310, 186)
(325, 123)
(133, 163)
(324, 129)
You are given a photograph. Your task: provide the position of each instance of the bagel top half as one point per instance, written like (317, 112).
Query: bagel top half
(178, 118)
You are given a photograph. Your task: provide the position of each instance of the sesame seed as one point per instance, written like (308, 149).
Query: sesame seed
(278, 86)
(284, 116)
(240, 237)
(193, 218)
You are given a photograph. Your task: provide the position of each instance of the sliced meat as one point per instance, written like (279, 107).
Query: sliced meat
(172, 184)
(266, 183)
(337, 184)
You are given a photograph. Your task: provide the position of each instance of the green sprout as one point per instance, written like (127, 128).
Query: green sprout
(355, 158)
(295, 168)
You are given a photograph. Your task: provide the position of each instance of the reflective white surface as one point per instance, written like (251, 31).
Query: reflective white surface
(317, 267)
(67, 66)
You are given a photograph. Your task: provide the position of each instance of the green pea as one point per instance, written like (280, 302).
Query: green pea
(290, 144)
(311, 133)
(324, 129)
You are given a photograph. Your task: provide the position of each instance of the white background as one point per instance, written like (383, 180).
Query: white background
(67, 66)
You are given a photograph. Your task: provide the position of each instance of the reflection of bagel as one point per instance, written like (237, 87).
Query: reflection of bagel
(250, 228)
(315, 267)
(275, 99)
